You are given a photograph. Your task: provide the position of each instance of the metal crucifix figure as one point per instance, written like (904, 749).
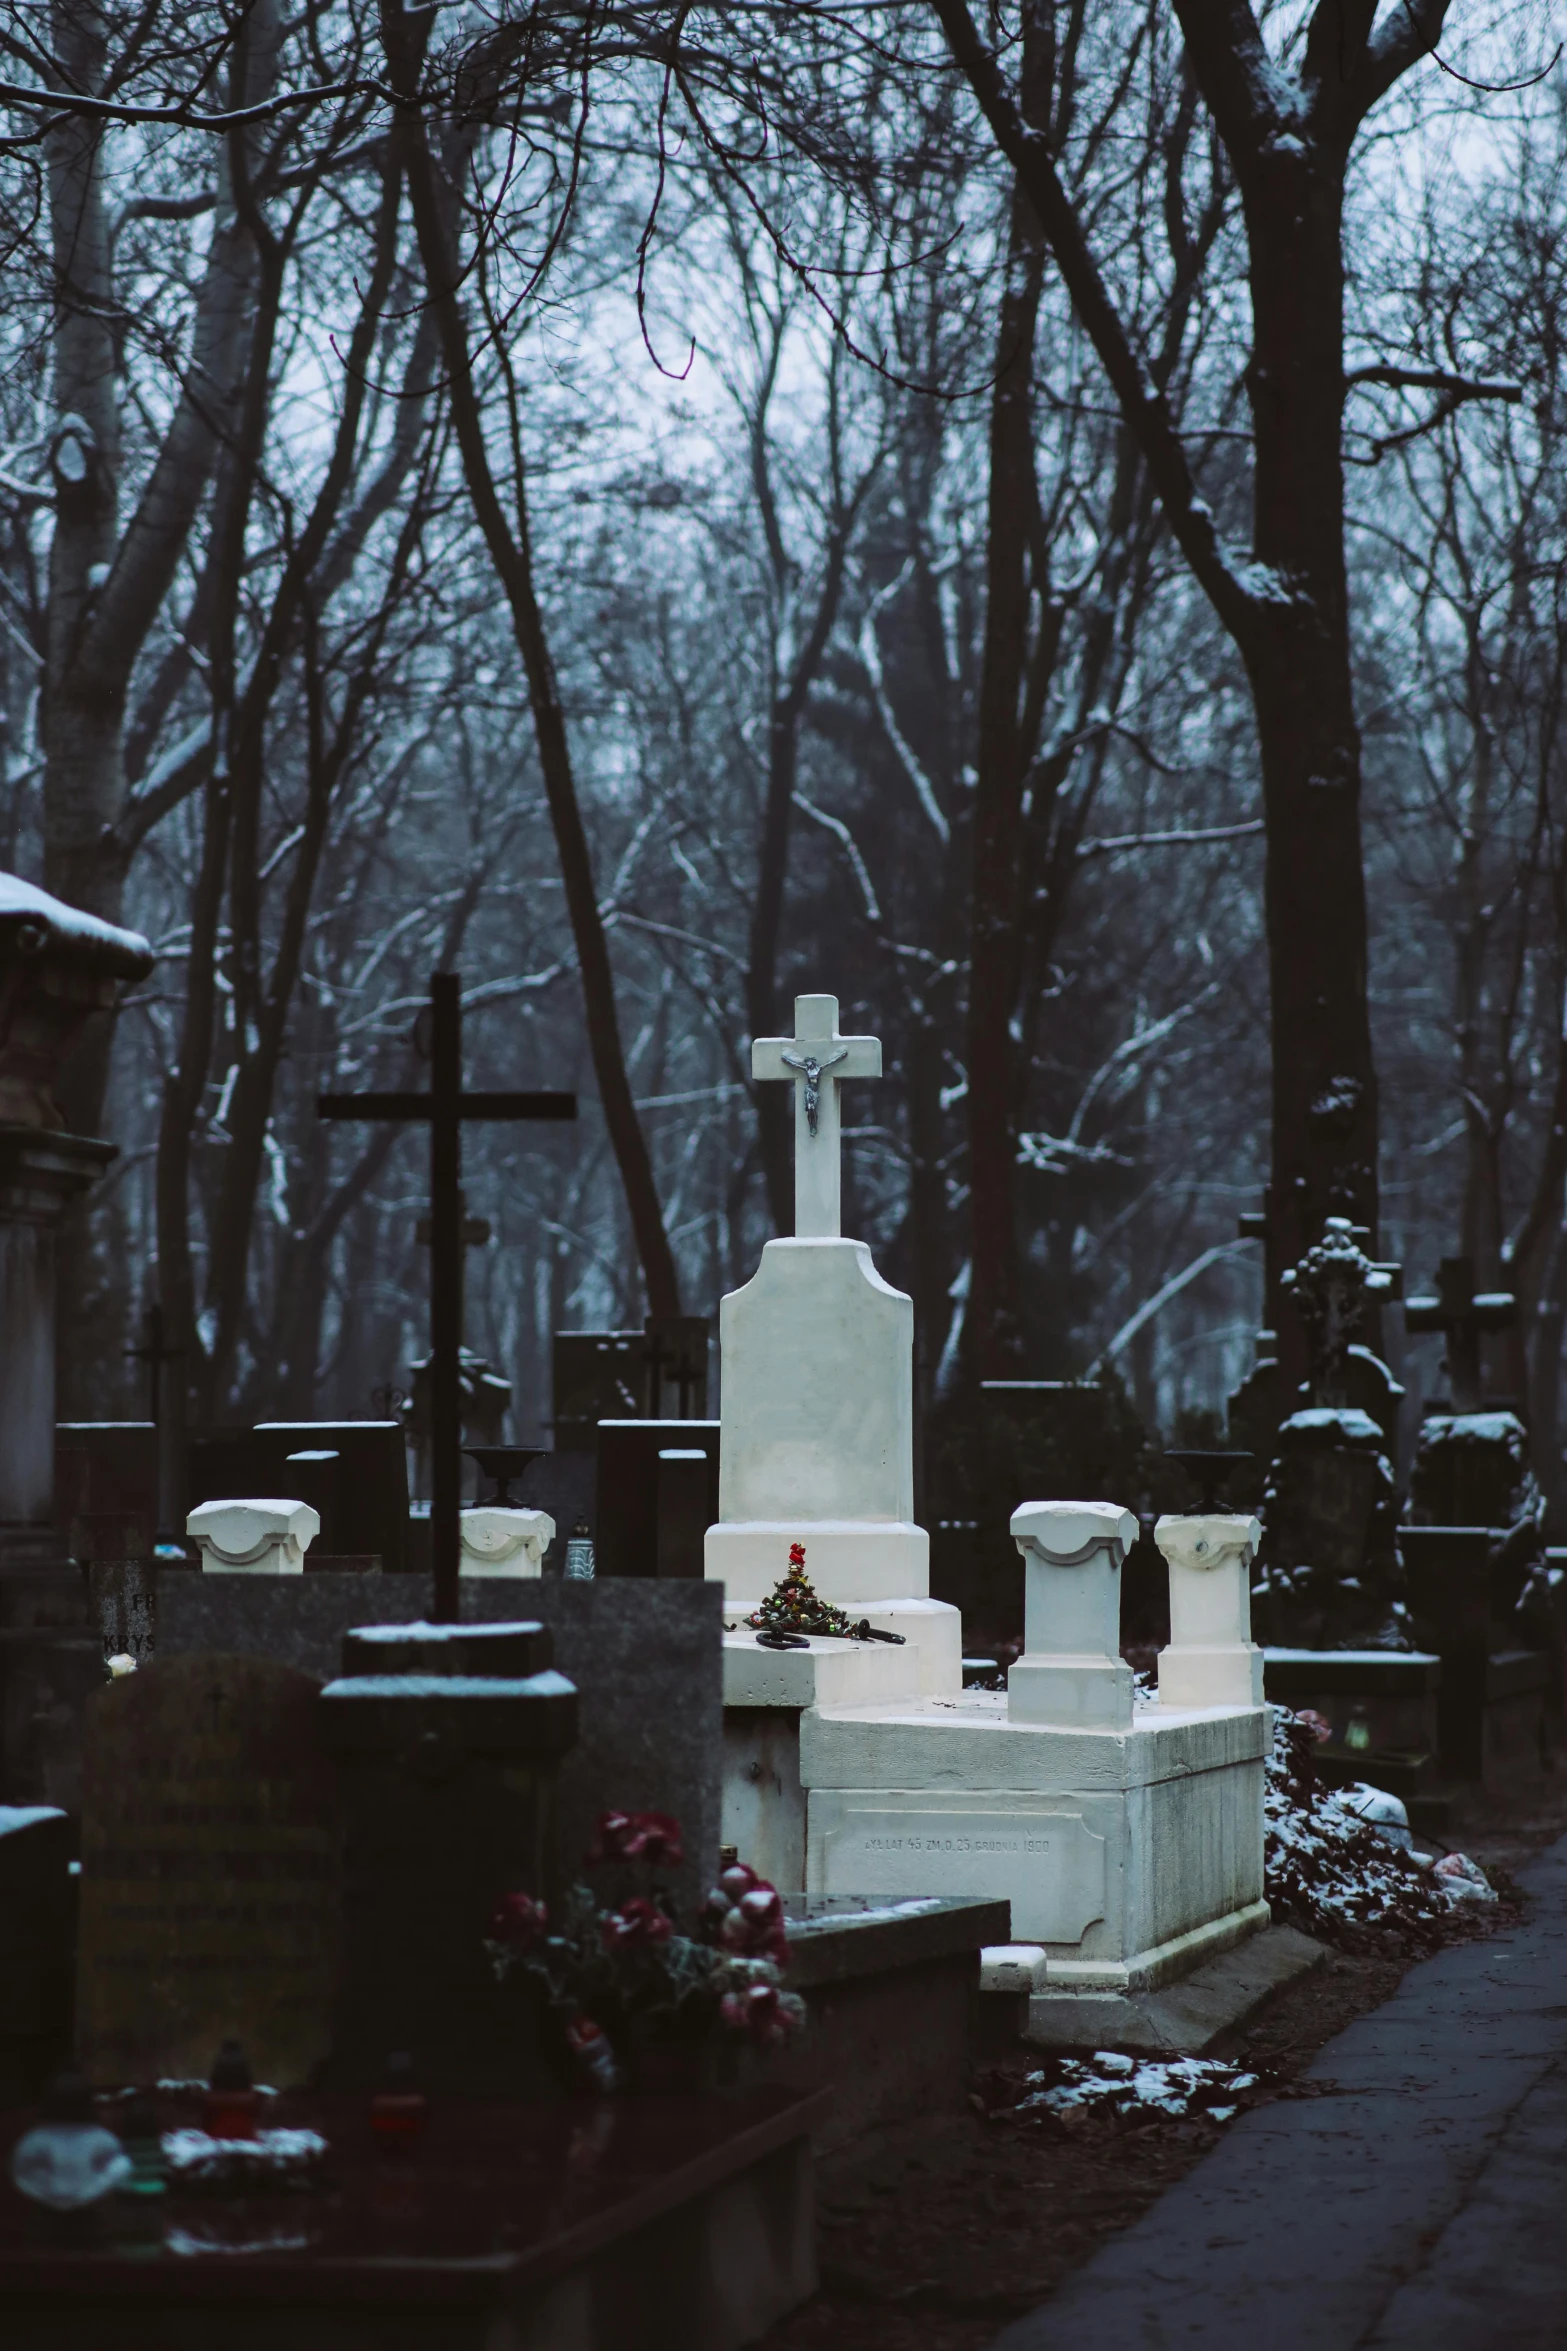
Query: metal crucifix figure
(812, 1069)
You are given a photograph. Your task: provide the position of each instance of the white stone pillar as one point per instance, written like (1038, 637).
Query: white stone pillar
(500, 1540)
(1212, 1659)
(1071, 1674)
(253, 1538)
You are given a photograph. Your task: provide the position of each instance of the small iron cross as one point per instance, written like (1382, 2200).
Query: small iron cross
(1461, 1313)
(818, 1060)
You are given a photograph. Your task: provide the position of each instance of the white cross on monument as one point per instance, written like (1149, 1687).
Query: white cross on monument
(818, 1060)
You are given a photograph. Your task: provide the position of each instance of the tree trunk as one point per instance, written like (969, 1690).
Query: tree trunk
(511, 555)
(106, 588)
(1289, 129)
(1297, 655)
(774, 1104)
(993, 1331)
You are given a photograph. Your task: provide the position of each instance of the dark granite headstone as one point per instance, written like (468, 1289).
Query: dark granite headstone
(646, 1657)
(106, 1487)
(210, 1873)
(448, 1740)
(124, 1605)
(300, 1620)
(1472, 1469)
(634, 1483)
(597, 1375)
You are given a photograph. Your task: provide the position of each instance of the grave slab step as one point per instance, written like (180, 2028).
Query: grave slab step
(1181, 2019)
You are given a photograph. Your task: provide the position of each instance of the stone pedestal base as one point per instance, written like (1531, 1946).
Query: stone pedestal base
(1182, 2018)
(845, 1558)
(1129, 1857)
(931, 1644)
(766, 1691)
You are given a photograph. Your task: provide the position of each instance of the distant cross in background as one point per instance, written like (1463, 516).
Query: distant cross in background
(677, 1358)
(444, 1110)
(1461, 1314)
(818, 1060)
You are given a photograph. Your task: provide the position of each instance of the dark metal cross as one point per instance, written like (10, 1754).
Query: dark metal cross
(677, 1357)
(1461, 1313)
(444, 1109)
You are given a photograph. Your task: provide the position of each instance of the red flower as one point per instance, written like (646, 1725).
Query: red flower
(754, 1928)
(736, 1880)
(636, 1921)
(797, 1555)
(589, 2045)
(637, 1836)
(761, 2012)
(519, 1922)
(609, 1838)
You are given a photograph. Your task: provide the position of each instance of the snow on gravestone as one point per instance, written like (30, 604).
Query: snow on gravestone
(210, 1889)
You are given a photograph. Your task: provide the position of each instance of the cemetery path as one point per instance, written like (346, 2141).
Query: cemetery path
(1414, 2199)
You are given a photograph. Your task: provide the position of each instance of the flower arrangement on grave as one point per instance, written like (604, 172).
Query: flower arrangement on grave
(794, 1609)
(620, 1977)
(795, 1606)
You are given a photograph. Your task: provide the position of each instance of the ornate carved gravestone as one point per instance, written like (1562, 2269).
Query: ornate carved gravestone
(1273, 1389)
(1330, 1576)
(210, 1875)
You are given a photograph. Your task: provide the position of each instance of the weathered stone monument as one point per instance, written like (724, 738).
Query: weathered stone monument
(59, 968)
(1329, 1565)
(210, 1874)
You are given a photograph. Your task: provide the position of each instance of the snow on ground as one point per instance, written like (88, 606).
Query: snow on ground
(1131, 2090)
(1327, 1868)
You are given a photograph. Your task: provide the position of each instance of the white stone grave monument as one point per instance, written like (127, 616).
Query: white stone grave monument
(818, 1449)
(1127, 1835)
(818, 1394)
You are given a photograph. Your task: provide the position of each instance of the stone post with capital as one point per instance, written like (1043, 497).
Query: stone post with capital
(1212, 1659)
(1071, 1674)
